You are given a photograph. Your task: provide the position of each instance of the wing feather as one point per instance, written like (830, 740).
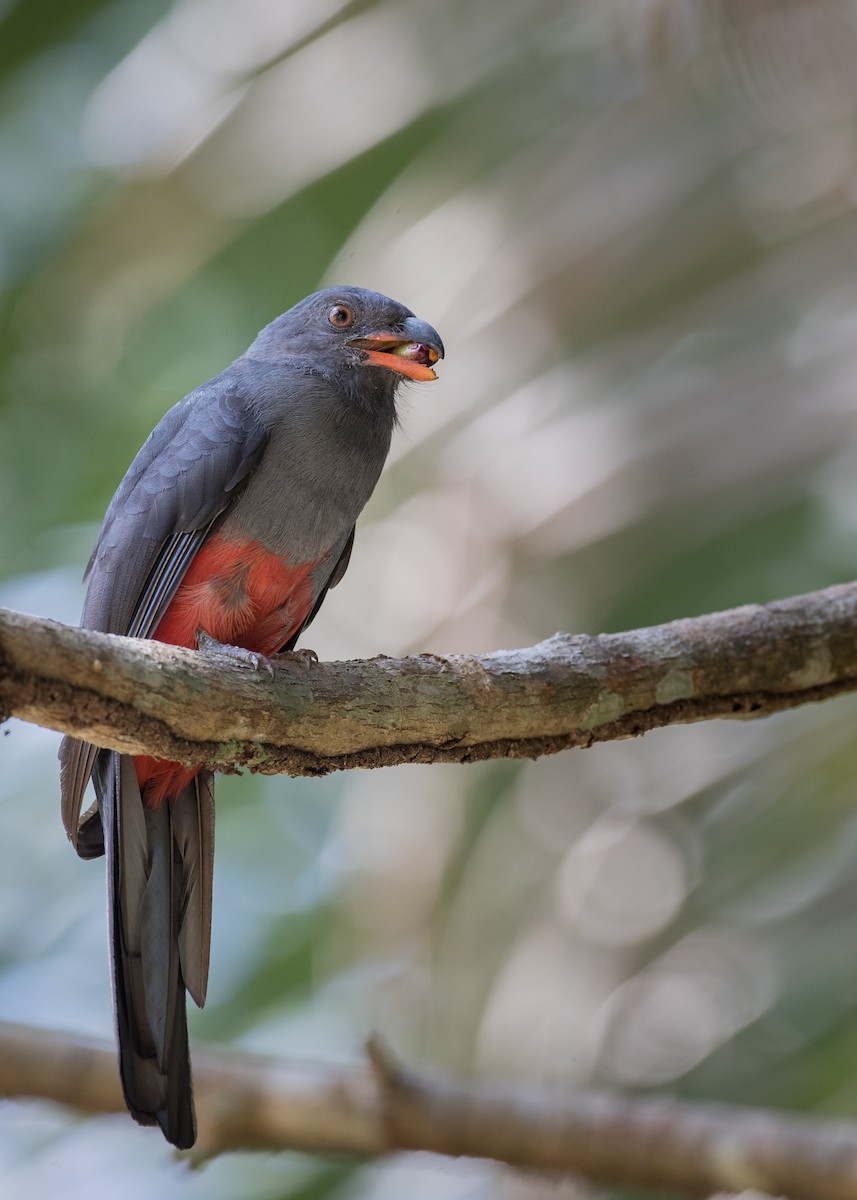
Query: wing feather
(183, 479)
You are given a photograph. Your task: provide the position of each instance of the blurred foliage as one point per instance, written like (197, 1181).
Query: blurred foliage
(635, 227)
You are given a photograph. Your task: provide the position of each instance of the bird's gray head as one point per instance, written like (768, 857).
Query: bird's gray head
(362, 340)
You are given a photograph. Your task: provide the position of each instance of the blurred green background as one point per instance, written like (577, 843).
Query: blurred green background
(635, 227)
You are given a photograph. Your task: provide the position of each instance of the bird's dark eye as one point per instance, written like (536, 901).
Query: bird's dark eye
(340, 315)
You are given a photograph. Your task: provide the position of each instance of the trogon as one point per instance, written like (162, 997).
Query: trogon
(232, 523)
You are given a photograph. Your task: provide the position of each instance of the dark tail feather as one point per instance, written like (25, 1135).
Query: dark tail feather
(159, 899)
(192, 817)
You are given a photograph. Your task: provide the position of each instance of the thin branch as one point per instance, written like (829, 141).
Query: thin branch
(250, 1103)
(310, 718)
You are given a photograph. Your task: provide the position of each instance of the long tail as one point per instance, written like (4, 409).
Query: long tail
(159, 873)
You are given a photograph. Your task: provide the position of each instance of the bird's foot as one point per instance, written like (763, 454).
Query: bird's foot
(238, 655)
(305, 656)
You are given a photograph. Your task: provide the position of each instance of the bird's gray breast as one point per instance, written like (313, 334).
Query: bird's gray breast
(321, 463)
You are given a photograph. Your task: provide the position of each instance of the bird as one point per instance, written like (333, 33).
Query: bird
(226, 533)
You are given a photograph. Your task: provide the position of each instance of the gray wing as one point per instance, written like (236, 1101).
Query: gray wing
(183, 479)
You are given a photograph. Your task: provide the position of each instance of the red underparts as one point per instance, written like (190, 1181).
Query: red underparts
(242, 595)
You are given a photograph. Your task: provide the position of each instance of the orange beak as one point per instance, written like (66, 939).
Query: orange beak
(411, 352)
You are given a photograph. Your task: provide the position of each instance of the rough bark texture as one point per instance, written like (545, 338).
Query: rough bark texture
(252, 1103)
(310, 718)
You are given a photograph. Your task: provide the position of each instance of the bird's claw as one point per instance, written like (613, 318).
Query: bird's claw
(239, 655)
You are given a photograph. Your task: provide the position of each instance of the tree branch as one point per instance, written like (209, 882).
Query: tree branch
(310, 718)
(251, 1103)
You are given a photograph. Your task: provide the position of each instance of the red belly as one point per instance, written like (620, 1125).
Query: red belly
(242, 595)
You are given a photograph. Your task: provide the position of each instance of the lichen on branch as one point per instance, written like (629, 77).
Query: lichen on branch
(308, 718)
